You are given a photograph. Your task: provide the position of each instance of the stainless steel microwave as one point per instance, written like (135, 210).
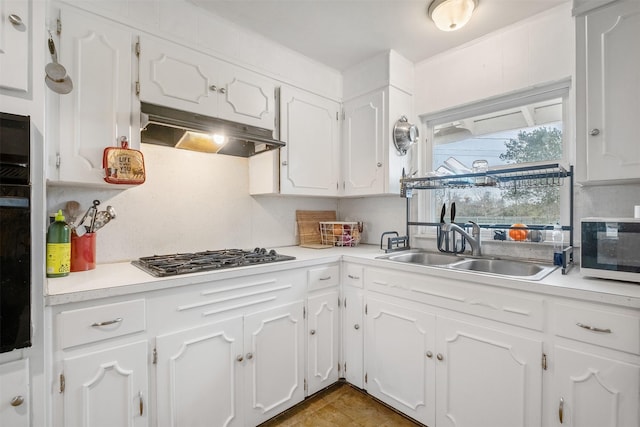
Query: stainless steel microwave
(610, 248)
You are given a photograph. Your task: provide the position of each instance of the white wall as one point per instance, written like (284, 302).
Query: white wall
(538, 50)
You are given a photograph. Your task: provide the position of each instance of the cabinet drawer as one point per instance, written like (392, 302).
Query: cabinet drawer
(353, 276)
(600, 327)
(87, 325)
(323, 277)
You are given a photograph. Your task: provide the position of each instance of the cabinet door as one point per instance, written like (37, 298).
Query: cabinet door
(15, 49)
(309, 164)
(97, 55)
(595, 391)
(323, 340)
(244, 96)
(14, 394)
(613, 66)
(274, 357)
(353, 337)
(398, 369)
(178, 77)
(199, 376)
(363, 143)
(487, 378)
(107, 388)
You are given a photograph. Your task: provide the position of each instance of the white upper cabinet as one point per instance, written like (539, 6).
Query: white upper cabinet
(608, 66)
(15, 47)
(363, 144)
(175, 76)
(309, 164)
(377, 94)
(100, 109)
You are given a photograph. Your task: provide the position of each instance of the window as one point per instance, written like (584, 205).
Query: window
(521, 129)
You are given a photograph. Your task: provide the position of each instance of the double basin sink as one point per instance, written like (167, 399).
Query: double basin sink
(491, 266)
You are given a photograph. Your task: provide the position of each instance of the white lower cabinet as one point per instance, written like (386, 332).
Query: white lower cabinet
(595, 391)
(323, 339)
(240, 371)
(485, 377)
(15, 408)
(107, 387)
(199, 378)
(398, 371)
(274, 357)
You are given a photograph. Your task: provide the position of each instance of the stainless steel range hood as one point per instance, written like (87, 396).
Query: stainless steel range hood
(190, 131)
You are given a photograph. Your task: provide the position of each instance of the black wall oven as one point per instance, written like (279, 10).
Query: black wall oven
(15, 233)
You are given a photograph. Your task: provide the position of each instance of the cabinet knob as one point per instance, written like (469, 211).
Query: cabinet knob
(239, 358)
(439, 357)
(379, 164)
(429, 354)
(17, 401)
(356, 326)
(594, 132)
(15, 19)
(249, 356)
(312, 332)
(284, 163)
(213, 88)
(222, 90)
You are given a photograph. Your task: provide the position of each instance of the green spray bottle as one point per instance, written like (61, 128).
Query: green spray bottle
(58, 247)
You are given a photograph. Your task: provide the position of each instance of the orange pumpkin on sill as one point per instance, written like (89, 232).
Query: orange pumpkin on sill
(517, 234)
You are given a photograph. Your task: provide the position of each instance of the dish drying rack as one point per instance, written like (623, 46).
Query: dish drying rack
(544, 174)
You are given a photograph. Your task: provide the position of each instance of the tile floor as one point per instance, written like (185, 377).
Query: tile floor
(340, 405)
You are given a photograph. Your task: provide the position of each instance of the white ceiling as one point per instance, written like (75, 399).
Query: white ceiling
(341, 33)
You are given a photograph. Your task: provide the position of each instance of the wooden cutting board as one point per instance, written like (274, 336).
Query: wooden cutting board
(309, 227)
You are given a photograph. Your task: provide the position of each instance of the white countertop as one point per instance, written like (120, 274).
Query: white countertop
(123, 278)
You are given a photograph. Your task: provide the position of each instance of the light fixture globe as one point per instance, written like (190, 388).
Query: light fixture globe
(451, 15)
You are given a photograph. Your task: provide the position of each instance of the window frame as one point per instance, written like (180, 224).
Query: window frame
(539, 93)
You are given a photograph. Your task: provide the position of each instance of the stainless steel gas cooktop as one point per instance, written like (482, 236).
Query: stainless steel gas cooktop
(174, 264)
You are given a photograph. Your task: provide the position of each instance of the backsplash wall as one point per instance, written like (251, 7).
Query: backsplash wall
(190, 202)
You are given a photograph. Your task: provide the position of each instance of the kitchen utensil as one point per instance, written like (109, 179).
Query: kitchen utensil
(405, 134)
(56, 76)
(441, 232)
(81, 228)
(453, 211)
(103, 217)
(111, 212)
(96, 203)
(72, 208)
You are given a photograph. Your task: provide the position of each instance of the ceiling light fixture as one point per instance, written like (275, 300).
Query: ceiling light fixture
(451, 15)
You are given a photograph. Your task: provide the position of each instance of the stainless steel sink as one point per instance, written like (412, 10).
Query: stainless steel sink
(497, 267)
(423, 258)
(503, 267)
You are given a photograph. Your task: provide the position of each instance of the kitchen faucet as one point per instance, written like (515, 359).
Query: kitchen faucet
(473, 238)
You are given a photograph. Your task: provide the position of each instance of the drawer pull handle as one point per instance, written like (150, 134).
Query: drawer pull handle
(561, 410)
(594, 329)
(17, 401)
(325, 278)
(107, 323)
(351, 276)
(141, 403)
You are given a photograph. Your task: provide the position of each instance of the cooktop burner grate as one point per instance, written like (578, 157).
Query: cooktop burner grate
(174, 264)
